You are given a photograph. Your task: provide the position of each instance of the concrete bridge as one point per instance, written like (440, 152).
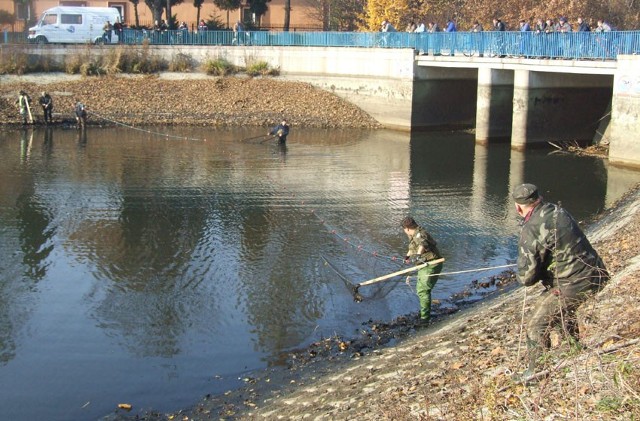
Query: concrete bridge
(525, 101)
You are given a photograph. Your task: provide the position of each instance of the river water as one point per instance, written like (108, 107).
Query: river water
(155, 266)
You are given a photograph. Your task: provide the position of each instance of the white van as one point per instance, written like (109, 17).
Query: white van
(67, 24)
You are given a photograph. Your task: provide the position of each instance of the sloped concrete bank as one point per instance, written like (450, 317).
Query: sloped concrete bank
(462, 366)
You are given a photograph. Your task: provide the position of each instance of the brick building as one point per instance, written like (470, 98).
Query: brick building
(301, 17)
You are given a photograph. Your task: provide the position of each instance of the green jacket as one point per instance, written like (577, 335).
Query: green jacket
(422, 237)
(554, 250)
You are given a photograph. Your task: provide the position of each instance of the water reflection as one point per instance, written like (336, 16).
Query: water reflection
(175, 258)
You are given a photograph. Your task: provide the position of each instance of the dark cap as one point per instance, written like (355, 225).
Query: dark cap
(409, 222)
(525, 194)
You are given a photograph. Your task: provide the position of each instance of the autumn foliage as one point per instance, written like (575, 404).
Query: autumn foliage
(623, 15)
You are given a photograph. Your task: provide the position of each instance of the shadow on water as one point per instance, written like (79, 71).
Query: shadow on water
(165, 262)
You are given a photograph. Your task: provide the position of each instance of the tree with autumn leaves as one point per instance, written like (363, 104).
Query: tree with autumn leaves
(623, 14)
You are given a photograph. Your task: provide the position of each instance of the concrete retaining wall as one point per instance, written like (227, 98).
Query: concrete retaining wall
(378, 80)
(624, 148)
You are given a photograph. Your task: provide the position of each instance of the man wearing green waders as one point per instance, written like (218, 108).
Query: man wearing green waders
(422, 248)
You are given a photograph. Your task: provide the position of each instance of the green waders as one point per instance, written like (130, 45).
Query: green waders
(424, 286)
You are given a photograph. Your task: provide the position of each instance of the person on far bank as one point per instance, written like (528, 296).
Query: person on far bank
(118, 28)
(81, 115)
(422, 249)
(553, 250)
(24, 103)
(281, 131)
(47, 107)
(238, 33)
(107, 30)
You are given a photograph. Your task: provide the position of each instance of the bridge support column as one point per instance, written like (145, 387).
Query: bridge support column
(494, 105)
(624, 148)
(521, 99)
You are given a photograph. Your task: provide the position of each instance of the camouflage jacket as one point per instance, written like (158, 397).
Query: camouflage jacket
(422, 238)
(554, 250)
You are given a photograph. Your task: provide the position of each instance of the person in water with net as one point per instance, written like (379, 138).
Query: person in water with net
(281, 131)
(422, 249)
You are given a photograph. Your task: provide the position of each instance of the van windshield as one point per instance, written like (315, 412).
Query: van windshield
(48, 19)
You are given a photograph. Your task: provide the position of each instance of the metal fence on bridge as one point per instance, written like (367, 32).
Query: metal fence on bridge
(572, 45)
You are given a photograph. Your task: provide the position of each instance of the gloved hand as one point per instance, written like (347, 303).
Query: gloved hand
(419, 259)
(414, 258)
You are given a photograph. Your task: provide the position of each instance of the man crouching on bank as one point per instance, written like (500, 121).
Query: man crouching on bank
(554, 251)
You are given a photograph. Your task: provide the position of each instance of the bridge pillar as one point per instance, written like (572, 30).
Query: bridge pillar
(557, 107)
(494, 105)
(624, 148)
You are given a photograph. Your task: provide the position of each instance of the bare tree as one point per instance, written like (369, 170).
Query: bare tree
(287, 15)
(158, 6)
(228, 5)
(135, 11)
(198, 5)
(336, 15)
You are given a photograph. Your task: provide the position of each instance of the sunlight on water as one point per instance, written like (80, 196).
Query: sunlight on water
(157, 269)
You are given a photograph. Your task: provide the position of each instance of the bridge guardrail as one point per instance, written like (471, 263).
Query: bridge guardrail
(572, 45)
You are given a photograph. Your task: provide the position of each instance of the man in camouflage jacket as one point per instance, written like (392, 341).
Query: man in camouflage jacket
(422, 248)
(554, 251)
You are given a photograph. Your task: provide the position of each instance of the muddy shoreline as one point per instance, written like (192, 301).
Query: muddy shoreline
(181, 99)
(300, 367)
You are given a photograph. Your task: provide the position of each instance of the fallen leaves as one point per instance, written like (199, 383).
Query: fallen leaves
(228, 101)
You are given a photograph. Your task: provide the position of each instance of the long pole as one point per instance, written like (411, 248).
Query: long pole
(26, 102)
(400, 272)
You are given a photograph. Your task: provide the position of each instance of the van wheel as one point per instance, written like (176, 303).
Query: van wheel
(41, 40)
(99, 41)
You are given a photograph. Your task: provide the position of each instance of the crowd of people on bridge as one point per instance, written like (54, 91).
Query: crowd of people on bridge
(509, 46)
(549, 25)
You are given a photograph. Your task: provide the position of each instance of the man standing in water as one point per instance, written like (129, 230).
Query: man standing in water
(47, 107)
(281, 131)
(554, 251)
(81, 115)
(24, 102)
(422, 249)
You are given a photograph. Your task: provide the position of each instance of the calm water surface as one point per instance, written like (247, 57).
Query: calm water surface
(154, 269)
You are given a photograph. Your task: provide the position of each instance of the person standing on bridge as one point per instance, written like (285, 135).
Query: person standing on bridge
(498, 25)
(422, 249)
(583, 26)
(603, 26)
(554, 251)
(238, 33)
(387, 27)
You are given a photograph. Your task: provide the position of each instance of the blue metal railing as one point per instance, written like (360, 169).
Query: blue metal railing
(573, 45)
